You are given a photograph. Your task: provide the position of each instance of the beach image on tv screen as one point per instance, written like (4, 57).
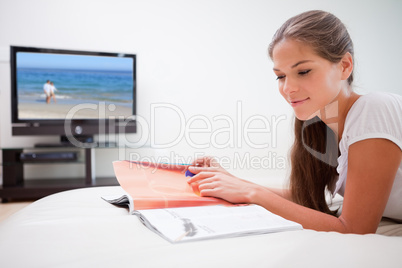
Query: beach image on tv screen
(49, 86)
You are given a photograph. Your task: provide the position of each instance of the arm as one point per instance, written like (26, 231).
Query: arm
(371, 171)
(372, 168)
(284, 193)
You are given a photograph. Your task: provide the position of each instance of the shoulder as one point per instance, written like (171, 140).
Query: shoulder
(375, 115)
(377, 102)
(376, 106)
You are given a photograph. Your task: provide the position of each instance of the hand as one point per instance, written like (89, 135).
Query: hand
(217, 182)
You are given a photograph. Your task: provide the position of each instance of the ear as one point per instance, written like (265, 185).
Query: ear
(346, 66)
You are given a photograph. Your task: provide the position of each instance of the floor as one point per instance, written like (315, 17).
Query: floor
(7, 209)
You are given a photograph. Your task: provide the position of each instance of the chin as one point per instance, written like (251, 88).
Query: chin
(302, 118)
(305, 117)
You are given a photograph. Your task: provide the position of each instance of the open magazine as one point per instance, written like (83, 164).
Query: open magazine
(158, 193)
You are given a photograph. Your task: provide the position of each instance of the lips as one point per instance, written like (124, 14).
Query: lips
(295, 103)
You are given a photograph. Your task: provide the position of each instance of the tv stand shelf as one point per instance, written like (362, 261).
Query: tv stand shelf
(16, 187)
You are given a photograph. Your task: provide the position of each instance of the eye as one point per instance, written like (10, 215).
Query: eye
(304, 72)
(279, 77)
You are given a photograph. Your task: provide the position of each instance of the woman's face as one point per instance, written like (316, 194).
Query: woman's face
(307, 81)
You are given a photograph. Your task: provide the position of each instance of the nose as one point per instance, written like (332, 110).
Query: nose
(289, 86)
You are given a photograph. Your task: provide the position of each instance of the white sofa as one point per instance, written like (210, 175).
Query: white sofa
(78, 229)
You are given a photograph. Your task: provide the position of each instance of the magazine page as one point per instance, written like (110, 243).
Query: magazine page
(199, 223)
(120, 200)
(159, 185)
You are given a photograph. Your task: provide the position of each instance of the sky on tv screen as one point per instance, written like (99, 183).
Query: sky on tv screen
(62, 61)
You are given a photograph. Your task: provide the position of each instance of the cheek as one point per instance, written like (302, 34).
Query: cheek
(333, 78)
(322, 86)
(333, 86)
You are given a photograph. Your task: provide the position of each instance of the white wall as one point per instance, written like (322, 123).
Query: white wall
(203, 57)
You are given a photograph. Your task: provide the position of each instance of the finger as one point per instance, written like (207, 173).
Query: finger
(196, 187)
(207, 185)
(199, 161)
(214, 163)
(208, 193)
(197, 170)
(203, 161)
(211, 181)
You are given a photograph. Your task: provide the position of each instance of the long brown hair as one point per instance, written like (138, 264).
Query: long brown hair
(315, 149)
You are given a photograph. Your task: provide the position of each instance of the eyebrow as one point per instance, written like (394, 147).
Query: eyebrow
(296, 64)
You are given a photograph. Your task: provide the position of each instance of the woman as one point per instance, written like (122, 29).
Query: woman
(313, 60)
(53, 90)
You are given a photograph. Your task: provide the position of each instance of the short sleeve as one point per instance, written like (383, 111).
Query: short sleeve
(377, 115)
(372, 116)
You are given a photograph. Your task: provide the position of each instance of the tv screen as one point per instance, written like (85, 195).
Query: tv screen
(51, 87)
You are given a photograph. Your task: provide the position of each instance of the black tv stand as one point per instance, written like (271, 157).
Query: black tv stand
(87, 145)
(53, 145)
(87, 141)
(84, 141)
(16, 187)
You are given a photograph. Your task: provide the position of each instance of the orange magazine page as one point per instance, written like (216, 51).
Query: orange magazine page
(159, 185)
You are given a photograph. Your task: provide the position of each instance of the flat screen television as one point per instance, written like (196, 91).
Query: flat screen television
(73, 94)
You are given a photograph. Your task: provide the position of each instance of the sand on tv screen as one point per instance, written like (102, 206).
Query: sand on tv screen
(53, 86)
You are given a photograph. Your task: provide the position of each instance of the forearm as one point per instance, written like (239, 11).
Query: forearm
(284, 193)
(308, 218)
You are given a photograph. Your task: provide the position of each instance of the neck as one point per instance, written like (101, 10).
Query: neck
(334, 114)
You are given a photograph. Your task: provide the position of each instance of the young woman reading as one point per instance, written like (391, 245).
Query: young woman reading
(344, 143)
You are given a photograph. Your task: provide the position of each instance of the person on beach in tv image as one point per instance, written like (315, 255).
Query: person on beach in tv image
(53, 89)
(47, 90)
(344, 142)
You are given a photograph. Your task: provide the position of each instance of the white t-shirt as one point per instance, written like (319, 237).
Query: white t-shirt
(47, 88)
(375, 115)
